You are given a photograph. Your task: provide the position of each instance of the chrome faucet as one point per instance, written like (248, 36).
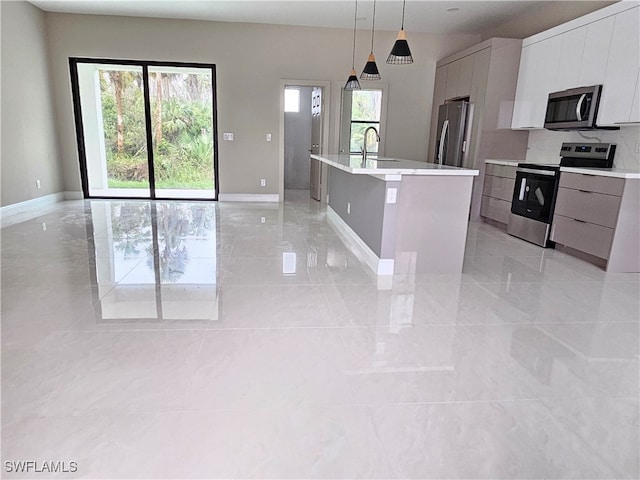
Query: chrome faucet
(364, 142)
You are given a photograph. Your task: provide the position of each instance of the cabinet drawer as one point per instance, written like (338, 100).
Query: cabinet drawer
(500, 170)
(592, 183)
(498, 187)
(591, 207)
(495, 209)
(586, 237)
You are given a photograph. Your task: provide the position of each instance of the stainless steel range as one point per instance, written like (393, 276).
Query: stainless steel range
(534, 195)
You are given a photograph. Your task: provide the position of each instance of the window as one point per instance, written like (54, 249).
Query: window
(366, 108)
(291, 100)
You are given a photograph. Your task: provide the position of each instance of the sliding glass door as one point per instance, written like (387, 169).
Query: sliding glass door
(145, 129)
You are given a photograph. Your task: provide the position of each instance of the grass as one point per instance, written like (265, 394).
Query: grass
(166, 184)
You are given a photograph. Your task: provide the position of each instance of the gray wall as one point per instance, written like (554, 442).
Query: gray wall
(251, 60)
(366, 194)
(297, 141)
(29, 139)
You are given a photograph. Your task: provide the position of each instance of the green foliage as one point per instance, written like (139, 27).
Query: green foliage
(184, 153)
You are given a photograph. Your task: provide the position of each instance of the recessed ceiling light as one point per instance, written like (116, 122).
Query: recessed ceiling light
(453, 9)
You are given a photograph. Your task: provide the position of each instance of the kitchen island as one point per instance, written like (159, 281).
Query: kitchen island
(400, 216)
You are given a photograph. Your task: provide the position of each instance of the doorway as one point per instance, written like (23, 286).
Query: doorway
(146, 129)
(304, 127)
(303, 110)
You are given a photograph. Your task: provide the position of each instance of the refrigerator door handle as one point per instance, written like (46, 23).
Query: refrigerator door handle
(443, 135)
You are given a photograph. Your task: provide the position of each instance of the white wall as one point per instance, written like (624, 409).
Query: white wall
(251, 60)
(544, 145)
(29, 139)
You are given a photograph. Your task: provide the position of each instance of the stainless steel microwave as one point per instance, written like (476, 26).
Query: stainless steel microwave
(573, 109)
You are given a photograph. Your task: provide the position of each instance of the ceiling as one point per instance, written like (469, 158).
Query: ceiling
(477, 16)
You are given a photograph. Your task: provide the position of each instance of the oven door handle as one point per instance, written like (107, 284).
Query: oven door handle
(523, 187)
(548, 173)
(579, 107)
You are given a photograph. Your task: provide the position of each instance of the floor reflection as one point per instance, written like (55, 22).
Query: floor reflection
(155, 261)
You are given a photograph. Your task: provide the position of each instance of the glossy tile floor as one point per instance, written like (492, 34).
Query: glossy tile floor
(202, 340)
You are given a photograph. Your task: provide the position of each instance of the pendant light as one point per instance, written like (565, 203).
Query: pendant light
(352, 81)
(370, 71)
(400, 53)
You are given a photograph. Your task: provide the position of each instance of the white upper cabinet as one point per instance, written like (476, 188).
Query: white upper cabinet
(571, 51)
(600, 48)
(621, 74)
(596, 47)
(536, 79)
(635, 105)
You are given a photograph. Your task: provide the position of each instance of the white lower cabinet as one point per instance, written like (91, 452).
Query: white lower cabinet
(599, 216)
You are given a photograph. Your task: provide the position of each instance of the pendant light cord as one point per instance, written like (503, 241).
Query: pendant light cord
(373, 25)
(403, 5)
(355, 19)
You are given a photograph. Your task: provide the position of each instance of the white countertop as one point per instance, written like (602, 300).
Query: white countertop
(390, 166)
(604, 172)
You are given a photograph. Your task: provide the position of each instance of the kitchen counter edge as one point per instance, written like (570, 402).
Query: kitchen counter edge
(405, 167)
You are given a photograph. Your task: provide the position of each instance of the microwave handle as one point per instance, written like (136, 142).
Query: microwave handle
(579, 107)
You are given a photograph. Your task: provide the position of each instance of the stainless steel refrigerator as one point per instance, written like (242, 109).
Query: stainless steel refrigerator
(454, 127)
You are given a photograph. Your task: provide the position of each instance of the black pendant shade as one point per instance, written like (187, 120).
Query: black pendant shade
(400, 53)
(352, 81)
(370, 71)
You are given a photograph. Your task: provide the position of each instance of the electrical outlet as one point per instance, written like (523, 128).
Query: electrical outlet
(38, 184)
(348, 208)
(392, 194)
(263, 182)
(263, 220)
(268, 137)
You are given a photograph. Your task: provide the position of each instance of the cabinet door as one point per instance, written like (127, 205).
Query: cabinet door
(622, 69)
(438, 99)
(466, 76)
(453, 78)
(635, 106)
(571, 50)
(597, 43)
(538, 69)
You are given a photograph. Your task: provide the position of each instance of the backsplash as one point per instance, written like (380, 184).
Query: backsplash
(544, 145)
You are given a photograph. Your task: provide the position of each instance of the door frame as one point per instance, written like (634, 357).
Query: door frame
(145, 64)
(326, 111)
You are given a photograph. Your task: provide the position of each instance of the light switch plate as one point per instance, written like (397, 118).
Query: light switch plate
(227, 136)
(268, 137)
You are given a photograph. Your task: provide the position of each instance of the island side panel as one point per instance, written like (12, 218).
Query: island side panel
(433, 217)
(366, 195)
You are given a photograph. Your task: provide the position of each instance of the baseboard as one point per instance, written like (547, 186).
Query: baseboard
(380, 266)
(73, 195)
(21, 211)
(248, 197)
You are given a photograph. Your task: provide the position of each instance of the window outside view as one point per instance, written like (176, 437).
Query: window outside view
(366, 107)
